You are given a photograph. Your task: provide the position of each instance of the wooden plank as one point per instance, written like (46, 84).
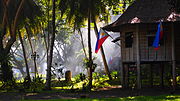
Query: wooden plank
(169, 46)
(143, 46)
(132, 54)
(177, 43)
(123, 55)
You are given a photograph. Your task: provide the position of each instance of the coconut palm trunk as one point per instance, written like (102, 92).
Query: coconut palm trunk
(32, 51)
(50, 52)
(89, 46)
(25, 58)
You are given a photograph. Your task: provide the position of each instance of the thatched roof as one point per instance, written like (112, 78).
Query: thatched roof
(145, 11)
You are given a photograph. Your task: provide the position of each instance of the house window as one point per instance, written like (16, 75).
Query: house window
(128, 39)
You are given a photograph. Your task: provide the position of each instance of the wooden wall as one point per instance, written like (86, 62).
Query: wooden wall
(147, 53)
(177, 41)
(128, 54)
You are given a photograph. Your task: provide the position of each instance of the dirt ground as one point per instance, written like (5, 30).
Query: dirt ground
(101, 93)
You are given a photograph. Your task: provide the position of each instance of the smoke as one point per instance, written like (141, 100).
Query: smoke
(112, 53)
(70, 56)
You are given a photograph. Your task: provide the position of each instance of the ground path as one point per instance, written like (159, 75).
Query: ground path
(101, 93)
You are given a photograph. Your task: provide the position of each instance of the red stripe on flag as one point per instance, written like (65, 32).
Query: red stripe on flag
(100, 42)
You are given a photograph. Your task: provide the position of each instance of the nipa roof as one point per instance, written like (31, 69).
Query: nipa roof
(145, 11)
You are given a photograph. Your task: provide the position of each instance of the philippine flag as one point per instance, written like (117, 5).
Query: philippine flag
(102, 36)
(159, 35)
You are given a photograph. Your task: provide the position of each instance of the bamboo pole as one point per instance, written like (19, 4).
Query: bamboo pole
(102, 53)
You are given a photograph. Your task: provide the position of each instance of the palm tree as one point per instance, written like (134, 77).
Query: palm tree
(13, 14)
(32, 50)
(50, 50)
(77, 11)
(25, 57)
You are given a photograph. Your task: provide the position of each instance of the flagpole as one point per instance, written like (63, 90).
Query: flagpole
(111, 38)
(102, 53)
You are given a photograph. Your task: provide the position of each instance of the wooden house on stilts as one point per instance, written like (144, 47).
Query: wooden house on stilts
(137, 27)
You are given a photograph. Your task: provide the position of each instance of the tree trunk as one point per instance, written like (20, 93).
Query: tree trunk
(90, 53)
(7, 73)
(4, 51)
(50, 53)
(25, 58)
(33, 53)
(102, 53)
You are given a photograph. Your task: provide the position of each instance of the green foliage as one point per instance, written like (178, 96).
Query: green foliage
(61, 83)
(178, 80)
(10, 85)
(99, 81)
(114, 74)
(87, 63)
(80, 77)
(76, 10)
(37, 84)
(81, 82)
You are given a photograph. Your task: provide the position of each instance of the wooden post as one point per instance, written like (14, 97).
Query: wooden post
(151, 75)
(68, 76)
(162, 75)
(122, 67)
(126, 68)
(173, 58)
(138, 58)
(122, 74)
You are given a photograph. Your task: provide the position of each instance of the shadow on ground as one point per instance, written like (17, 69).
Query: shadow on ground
(101, 93)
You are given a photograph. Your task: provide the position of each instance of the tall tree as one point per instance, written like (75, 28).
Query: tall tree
(89, 45)
(13, 13)
(76, 12)
(25, 57)
(33, 53)
(50, 50)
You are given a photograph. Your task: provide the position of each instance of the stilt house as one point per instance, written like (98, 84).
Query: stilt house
(137, 27)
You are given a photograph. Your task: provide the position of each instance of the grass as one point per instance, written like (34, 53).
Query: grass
(137, 98)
